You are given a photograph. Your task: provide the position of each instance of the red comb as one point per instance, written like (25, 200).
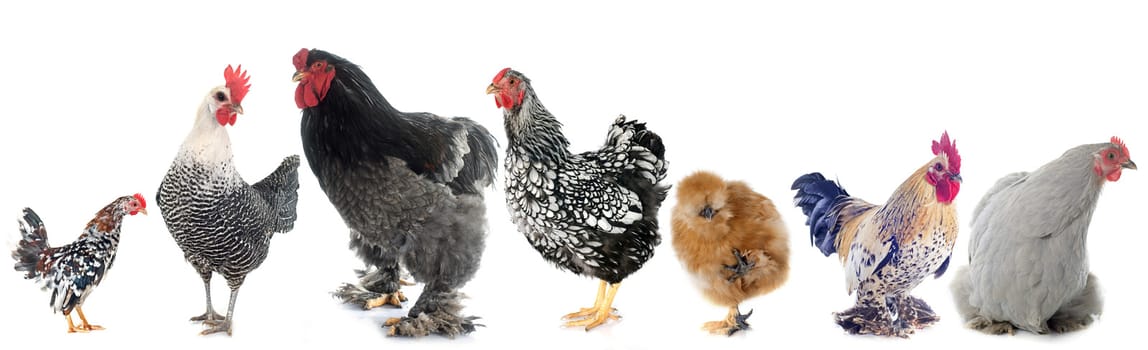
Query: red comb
(143, 202)
(237, 82)
(501, 74)
(950, 150)
(1117, 141)
(300, 59)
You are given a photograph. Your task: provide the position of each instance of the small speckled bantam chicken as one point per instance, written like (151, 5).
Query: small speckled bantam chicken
(593, 213)
(888, 249)
(732, 241)
(73, 271)
(1028, 258)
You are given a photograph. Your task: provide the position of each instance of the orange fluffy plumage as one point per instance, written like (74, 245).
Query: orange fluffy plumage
(732, 241)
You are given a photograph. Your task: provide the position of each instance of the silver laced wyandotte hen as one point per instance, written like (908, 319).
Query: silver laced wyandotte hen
(408, 185)
(72, 271)
(1028, 260)
(593, 213)
(222, 224)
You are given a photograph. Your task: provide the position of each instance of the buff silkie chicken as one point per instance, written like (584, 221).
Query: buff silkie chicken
(888, 249)
(732, 242)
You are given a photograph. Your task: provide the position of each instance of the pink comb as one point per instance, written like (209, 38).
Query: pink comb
(143, 202)
(1117, 141)
(950, 150)
(501, 74)
(300, 59)
(237, 82)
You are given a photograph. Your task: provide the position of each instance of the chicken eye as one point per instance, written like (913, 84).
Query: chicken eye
(938, 167)
(219, 96)
(1111, 155)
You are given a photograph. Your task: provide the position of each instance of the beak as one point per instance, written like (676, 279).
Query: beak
(1129, 165)
(956, 177)
(298, 76)
(491, 89)
(142, 211)
(707, 212)
(237, 109)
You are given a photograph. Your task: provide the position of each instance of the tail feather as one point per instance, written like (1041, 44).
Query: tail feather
(32, 246)
(643, 147)
(280, 189)
(822, 202)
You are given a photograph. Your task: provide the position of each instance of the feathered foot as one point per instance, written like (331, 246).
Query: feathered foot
(1077, 313)
(742, 266)
(438, 314)
(598, 314)
(915, 312)
(870, 320)
(354, 294)
(734, 321)
(984, 324)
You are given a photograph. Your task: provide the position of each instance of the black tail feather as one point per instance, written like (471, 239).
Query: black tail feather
(280, 189)
(33, 243)
(818, 199)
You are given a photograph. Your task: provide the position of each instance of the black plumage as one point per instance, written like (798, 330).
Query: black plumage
(408, 185)
(592, 213)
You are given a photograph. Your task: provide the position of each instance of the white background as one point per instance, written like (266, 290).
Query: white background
(97, 99)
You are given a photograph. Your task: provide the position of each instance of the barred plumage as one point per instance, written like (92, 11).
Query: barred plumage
(222, 224)
(592, 213)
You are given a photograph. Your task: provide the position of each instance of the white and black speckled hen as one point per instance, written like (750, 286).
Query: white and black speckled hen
(593, 213)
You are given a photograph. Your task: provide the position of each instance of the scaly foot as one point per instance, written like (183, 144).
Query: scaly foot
(395, 299)
(734, 322)
(217, 326)
(594, 318)
(207, 316)
(742, 266)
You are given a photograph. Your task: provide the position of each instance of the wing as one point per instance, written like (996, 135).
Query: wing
(988, 202)
(867, 243)
(462, 155)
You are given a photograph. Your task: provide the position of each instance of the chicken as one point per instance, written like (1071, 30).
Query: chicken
(222, 224)
(1028, 266)
(732, 241)
(887, 250)
(73, 271)
(594, 213)
(408, 185)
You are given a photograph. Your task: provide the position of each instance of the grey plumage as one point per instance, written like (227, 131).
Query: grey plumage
(1028, 264)
(408, 185)
(222, 224)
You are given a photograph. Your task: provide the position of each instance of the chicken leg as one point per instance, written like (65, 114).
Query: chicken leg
(210, 315)
(596, 315)
(84, 325)
(224, 325)
(733, 322)
(71, 326)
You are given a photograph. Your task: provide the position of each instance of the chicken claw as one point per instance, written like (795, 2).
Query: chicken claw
(915, 312)
(734, 321)
(742, 266)
(598, 314)
(395, 299)
(870, 320)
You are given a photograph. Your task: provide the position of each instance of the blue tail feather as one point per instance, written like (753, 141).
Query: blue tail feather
(818, 199)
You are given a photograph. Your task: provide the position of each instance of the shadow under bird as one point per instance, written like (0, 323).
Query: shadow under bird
(1028, 262)
(408, 185)
(593, 213)
(887, 250)
(72, 271)
(222, 224)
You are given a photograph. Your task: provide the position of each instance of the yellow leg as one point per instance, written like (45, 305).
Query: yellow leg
(71, 327)
(587, 311)
(395, 299)
(604, 311)
(84, 321)
(723, 326)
